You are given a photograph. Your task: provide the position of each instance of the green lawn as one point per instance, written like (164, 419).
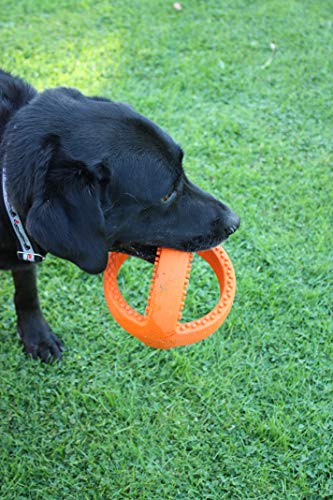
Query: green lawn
(248, 412)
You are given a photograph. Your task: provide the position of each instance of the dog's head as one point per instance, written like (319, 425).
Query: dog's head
(89, 175)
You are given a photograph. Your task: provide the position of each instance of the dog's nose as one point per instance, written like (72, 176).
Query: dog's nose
(233, 224)
(231, 230)
(227, 223)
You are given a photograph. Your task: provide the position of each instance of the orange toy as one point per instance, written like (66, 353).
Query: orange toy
(160, 327)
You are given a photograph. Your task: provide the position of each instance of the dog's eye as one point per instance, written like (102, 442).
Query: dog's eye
(168, 197)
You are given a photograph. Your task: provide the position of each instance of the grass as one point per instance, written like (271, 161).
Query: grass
(247, 413)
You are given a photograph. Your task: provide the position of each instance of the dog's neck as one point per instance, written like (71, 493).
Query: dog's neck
(26, 250)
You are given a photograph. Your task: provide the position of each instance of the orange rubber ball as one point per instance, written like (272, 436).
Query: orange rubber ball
(160, 327)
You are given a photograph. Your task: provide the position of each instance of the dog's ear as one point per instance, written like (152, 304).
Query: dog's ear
(65, 217)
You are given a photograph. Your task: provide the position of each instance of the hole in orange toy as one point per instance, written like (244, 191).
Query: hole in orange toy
(203, 291)
(134, 282)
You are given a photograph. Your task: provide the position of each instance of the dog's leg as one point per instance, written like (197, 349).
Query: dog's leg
(37, 336)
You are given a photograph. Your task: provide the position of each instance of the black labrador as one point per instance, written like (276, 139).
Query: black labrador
(88, 175)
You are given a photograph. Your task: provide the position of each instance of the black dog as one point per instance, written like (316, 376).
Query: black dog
(87, 175)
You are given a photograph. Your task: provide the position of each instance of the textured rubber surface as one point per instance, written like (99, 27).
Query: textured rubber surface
(160, 326)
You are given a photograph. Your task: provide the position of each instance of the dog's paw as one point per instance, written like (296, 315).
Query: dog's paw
(38, 339)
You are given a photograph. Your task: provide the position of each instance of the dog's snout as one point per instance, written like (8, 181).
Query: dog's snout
(228, 222)
(234, 223)
(231, 229)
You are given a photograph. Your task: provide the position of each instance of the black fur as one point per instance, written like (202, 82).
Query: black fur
(88, 175)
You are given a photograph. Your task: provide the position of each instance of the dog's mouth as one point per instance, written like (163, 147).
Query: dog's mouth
(197, 243)
(145, 252)
(148, 252)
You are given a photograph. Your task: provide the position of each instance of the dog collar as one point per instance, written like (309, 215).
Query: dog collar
(26, 252)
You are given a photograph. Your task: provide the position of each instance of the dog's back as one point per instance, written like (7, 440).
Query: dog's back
(14, 93)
